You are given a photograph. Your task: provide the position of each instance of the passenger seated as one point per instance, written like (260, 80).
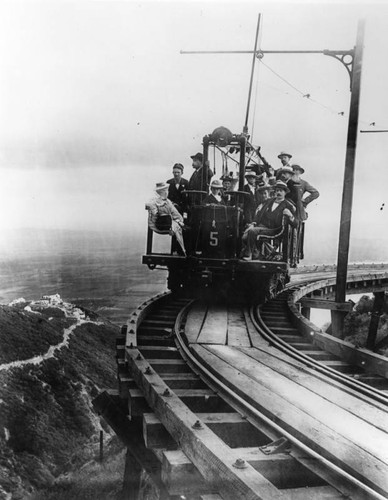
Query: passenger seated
(215, 196)
(268, 221)
(163, 217)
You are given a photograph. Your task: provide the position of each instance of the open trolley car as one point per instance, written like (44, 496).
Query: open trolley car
(213, 237)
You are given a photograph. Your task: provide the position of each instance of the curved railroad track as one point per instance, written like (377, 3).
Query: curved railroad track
(241, 403)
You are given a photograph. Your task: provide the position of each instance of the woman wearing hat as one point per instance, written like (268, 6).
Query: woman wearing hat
(163, 217)
(268, 221)
(215, 196)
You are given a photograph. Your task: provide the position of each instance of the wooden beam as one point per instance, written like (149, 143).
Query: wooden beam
(210, 455)
(327, 304)
(231, 427)
(198, 400)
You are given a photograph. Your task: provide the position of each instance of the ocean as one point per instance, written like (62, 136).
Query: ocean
(101, 271)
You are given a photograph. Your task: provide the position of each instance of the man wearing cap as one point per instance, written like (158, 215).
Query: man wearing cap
(298, 187)
(215, 196)
(163, 217)
(200, 179)
(285, 159)
(228, 182)
(177, 186)
(268, 221)
(251, 199)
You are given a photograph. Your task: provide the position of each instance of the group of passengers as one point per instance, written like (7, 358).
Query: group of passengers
(270, 198)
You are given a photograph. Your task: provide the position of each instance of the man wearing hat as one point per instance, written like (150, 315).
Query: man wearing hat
(285, 159)
(228, 183)
(215, 196)
(251, 200)
(298, 189)
(268, 221)
(177, 186)
(163, 217)
(200, 179)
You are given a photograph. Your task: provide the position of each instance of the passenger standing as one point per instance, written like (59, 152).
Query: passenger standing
(303, 187)
(285, 159)
(251, 199)
(200, 179)
(227, 186)
(177, 186)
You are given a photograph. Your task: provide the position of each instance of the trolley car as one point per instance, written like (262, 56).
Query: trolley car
(213, 238)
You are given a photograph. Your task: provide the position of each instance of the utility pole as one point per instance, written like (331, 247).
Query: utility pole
(337, 317)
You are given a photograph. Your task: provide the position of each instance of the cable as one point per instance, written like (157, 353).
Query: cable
(304, 95)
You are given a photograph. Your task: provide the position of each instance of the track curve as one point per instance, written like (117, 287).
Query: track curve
(201, 379)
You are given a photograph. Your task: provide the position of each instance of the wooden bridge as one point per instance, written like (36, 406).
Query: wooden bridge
(218, 401)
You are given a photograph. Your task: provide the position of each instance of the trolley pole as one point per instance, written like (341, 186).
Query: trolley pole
(337, 317)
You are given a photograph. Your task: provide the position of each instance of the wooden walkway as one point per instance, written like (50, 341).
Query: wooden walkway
(346, 428)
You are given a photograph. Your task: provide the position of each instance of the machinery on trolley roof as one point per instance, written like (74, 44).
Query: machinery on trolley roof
(213, 237)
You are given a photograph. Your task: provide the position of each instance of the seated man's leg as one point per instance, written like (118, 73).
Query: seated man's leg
(249, 239)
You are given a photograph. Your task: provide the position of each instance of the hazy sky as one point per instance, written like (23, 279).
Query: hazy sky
(97, 104)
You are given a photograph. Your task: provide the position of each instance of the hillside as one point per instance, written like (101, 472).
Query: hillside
(54, 359)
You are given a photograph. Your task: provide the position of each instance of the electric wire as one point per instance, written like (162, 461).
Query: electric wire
(303, 94)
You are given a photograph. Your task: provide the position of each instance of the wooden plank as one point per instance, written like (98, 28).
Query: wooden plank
(349, 425)
(254, 336)
(327, 304)
(315, 493)
(183, 381)
(215, 327)
(237, 328)
(283, 470)
(169, 365)
(207, 452)
(361, 450)
(360, 406)
(230, 427)
(370, 361)
(198, 400)
(194, 321)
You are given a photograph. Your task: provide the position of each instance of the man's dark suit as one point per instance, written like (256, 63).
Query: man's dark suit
(176, 195)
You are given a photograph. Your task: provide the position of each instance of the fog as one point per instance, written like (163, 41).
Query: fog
(97, 104)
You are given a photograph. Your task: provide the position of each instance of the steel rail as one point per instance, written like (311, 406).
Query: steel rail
(285, 347)
(257, 417)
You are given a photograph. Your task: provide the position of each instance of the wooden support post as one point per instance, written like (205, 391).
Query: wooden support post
(306, 312)
(132, 476)
(375, 318)
(101, 446)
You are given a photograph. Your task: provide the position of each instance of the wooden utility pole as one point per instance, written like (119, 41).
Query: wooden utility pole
(337, 317)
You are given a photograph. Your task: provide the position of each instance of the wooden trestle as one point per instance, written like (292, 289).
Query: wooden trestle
(209, 445)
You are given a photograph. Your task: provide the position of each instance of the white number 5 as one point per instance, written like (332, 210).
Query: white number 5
(214, 238)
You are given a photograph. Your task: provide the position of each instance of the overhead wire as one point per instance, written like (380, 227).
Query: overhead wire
(308, 96)
(303, 94)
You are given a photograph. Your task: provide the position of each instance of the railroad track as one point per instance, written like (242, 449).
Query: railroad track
(223, 408)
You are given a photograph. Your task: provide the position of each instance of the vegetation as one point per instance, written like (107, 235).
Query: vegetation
(357, 322)
(47, 423)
